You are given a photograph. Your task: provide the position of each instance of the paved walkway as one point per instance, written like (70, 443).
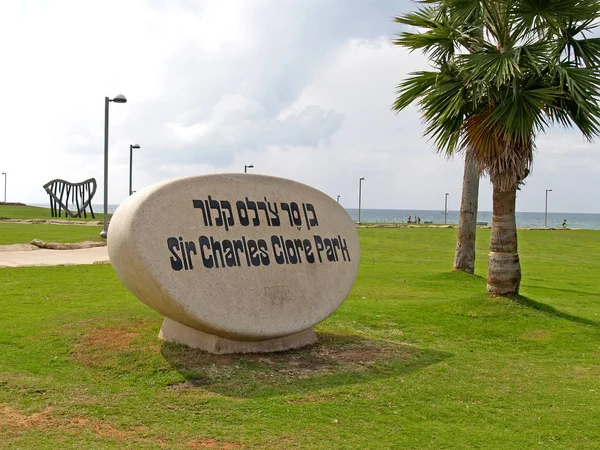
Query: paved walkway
(54, 257)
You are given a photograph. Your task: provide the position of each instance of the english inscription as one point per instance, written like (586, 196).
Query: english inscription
(209, 253)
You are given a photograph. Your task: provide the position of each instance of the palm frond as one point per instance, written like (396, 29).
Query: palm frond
(492, 66)
(412, 88)
(505, 70)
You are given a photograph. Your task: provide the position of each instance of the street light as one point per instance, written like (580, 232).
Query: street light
(446, 208)
(360, 180)
(131, 147)
(338, 198)
(246, 167)
(118, 99)
(546, 208)
(5, 175)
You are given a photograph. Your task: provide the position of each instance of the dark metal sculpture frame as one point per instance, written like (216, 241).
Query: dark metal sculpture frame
(81, 195)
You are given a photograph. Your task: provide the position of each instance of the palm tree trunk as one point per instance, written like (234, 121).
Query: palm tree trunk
(464, 258)
(504, 269)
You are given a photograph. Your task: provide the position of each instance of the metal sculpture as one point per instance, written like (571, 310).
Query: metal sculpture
(80, 195)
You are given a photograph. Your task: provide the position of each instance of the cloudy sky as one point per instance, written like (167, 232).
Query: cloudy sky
(300, 89)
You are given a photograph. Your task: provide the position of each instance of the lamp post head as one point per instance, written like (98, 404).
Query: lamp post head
(119, 99)
(135, 146)
(250, 166)
(548, 190)
(361, 179)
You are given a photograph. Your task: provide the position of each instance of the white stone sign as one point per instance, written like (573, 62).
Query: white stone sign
(235, 262)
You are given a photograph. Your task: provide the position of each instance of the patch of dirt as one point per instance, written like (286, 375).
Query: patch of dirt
(12, 418)
(326, 360)
(107, 430)
(536, 335)
(333, 354)
(78, 421)
(582, 372)
(185, 357)
(313, 398)
(213, 443)
(188, 384)
(102, 343)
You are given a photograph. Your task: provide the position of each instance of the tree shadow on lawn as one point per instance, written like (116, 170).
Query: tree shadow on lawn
(551, 310)
(570, 291)
(337, 359)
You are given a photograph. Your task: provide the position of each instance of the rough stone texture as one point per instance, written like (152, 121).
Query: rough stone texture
(249, 299)
(67, 246)
(172, 331)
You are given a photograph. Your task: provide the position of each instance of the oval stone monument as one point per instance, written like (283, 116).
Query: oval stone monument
(235, 262)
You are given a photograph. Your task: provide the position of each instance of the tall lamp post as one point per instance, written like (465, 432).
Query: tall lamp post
(131, 147)
(546, 209)
(118, 99)
(360, 180)
(246, 167)
(446, 208)
(5, 175)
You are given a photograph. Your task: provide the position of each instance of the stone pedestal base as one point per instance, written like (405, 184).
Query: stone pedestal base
(172, 331)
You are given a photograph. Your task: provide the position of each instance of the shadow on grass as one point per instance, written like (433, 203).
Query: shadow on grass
(337, 359)
(570, 291)
(553, 311)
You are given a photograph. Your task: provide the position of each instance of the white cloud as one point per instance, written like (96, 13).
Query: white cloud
(299, 88)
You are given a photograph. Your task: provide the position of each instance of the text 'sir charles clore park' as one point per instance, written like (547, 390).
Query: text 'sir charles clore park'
(300, 225)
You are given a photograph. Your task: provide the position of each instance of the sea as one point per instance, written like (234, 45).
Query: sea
(524, 219)
(588, 221)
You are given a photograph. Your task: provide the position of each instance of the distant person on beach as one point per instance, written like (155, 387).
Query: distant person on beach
(565, 223)
(418, 219)
(409, 219)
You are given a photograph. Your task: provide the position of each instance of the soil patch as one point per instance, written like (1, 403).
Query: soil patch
(12, 418)
(537, 335)
(213, 443)
(331, 355)
(102, 344)
(188, 384)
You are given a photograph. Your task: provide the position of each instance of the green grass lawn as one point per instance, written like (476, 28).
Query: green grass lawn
(24, 233)
(417, 357)
(36, 212)
(19, 233)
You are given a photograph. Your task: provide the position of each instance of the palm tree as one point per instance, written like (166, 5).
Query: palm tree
(505, 70)
(442, 31)
(464, 256)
